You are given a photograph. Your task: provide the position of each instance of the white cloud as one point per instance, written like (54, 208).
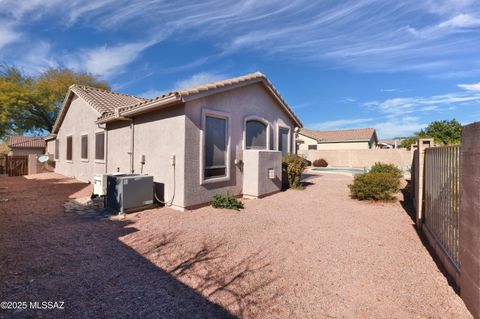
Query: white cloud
(339, 124)
(407, 105)
(7, 34)
(37, 59)
(365, 35)
(300, 106)
(106, 61)
(152, 93)
(398, 127)
(461, 21)
(389, 90)
(191, 81)
(199, 78)
(347, 99)
(470, 87)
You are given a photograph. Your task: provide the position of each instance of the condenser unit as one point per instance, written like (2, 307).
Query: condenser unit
(129, 192)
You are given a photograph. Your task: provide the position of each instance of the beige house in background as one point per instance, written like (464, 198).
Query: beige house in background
(362, 138)
(195, 142)
(25, 145)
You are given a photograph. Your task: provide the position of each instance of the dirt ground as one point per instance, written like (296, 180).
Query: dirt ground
(297, 254)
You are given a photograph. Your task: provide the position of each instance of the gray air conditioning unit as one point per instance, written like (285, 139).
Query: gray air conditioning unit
(129, 192)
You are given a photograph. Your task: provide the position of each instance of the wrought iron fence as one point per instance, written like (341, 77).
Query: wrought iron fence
(442, 197)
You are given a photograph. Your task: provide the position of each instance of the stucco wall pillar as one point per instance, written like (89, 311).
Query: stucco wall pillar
(419, 177)
(32, 164)
(470, 219)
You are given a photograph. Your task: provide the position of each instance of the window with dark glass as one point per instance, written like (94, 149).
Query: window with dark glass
(215, 147)
(283, 140)
(255, 135)
(69, 148)
(57, 149)
(100, 146)
(84, 145)
(312, 147)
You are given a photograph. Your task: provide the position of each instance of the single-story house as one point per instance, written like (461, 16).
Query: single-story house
(25, 145)
(361, 138)
(390, 143)
(195, 142)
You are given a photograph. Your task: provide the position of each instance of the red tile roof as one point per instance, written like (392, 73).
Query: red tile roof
(111, 105)
(26, 142)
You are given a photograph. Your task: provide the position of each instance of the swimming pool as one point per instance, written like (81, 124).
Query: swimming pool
(353, 171)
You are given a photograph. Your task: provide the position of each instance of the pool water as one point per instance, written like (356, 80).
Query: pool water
(353, 171)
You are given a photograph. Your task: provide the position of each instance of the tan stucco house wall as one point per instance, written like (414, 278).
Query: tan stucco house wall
(79, 120)
(26, 151)
(249, 102)
(175, 134)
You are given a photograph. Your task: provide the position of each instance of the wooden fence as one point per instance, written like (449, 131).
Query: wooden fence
(442, 198)
(14, 165)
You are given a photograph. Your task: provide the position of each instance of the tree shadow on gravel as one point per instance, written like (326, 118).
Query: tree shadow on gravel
(243, 287)
(52, 256)
(407, 205)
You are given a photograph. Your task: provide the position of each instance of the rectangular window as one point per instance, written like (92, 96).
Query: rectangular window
(84, 149)
(69, 148)
(312, 147)
(283, 143)
(57, 149)
(215, 149)
(100, 146)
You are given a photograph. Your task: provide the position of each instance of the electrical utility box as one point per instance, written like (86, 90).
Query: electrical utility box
(100, 184)
(129, 192)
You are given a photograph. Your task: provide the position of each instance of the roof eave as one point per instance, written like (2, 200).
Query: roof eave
(158, 104)
(50, 137)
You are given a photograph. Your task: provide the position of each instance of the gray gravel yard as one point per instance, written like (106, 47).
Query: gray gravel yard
(297, 254)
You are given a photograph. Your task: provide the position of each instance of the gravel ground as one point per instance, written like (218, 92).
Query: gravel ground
(297, 254)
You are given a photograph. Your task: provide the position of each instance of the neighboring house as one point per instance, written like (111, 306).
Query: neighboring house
(25, 145)
(192, 141)
(390, 144)
(362, 138)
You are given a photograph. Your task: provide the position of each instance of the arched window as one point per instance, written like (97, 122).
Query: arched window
(255, 135)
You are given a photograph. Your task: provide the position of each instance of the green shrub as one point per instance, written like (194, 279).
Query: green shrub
(376, 186)
(320, 163)
(293, 166)
(386, 168)
(226, 201)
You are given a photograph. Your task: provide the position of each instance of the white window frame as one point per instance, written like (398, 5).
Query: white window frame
(260, 119)
(66, 148)
(289, 148)
(100, 161)
(222, 115)
(88, 142)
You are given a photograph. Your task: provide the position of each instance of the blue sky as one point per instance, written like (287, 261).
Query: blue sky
(392, 65)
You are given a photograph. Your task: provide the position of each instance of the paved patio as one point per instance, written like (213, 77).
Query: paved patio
(312, 253)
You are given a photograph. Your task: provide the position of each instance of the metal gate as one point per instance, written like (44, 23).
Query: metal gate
(442, 197)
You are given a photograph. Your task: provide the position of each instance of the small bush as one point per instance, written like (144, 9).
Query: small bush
(376, 186)
(320, 163)
(226, 201)
(293, 167)
(386, 168)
